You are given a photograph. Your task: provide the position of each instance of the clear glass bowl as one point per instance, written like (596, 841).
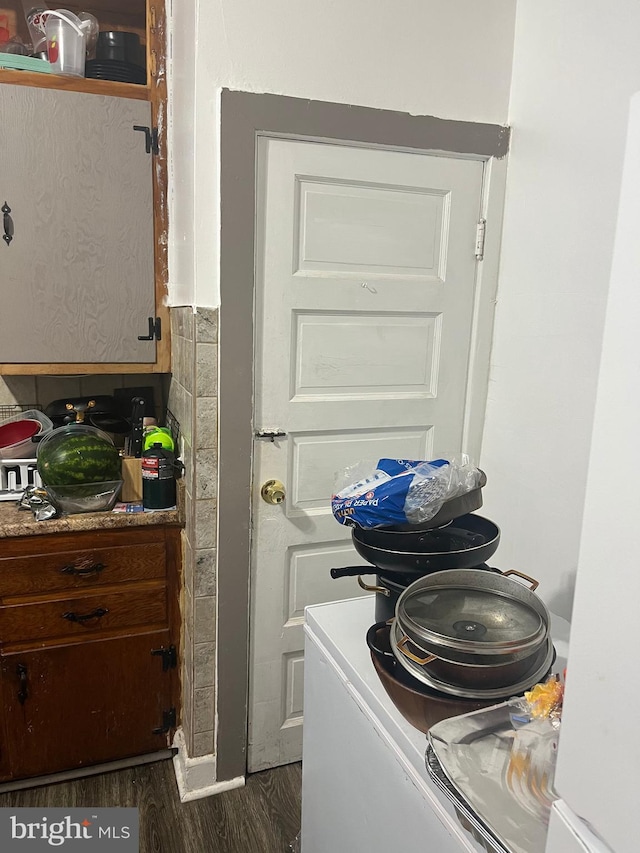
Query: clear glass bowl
(85, 497)
(57, 441)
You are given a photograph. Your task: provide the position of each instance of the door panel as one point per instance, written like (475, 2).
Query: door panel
(340, 226)
(316, 457)
(305, 575)
(365, 289)
(372, 355)
(78, 276)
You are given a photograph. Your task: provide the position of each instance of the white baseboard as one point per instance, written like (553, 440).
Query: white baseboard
(196, 777)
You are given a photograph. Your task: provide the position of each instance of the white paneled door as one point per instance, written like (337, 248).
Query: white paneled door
(365, 290)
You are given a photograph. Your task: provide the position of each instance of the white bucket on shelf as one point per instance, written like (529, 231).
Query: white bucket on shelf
(66, 42)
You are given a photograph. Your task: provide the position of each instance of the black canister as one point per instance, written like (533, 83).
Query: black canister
(158, 478)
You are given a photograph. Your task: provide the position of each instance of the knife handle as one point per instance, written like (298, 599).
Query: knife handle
(137, 415)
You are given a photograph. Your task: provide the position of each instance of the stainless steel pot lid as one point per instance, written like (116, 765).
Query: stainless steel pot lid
(473, 612)
(472, 615)
(537, 673)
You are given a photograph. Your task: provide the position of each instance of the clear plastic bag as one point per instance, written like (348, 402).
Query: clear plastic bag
(429, 490)
(401, 491)
(531, 768)
(536, 719)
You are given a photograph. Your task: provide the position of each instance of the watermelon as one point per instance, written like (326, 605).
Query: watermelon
(78, 454)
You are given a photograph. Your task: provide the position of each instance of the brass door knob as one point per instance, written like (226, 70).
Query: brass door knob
(272, 492)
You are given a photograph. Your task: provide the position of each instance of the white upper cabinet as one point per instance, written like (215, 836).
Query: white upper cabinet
(77, 255)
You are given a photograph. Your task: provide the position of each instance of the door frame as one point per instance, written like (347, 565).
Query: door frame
(245, 116)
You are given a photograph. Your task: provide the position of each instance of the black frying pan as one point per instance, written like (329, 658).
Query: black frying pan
(467, 542)
(110, 423)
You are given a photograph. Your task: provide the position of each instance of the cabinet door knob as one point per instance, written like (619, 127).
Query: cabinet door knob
(98, 613)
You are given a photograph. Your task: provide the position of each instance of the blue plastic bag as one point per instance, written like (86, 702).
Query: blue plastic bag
(387, 498)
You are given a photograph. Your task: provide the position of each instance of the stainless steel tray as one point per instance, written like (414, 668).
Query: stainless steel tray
(473, 751)
(469, 820)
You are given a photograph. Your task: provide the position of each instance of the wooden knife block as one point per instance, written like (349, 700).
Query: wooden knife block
(132, 477)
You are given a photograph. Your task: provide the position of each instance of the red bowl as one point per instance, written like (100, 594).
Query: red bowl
(16, 431)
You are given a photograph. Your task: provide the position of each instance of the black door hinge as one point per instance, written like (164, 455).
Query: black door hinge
(168, 722)
(155, 330)
(150, 138)
(23, 693)
(169, 657)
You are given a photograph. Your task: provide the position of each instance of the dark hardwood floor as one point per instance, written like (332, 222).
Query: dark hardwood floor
(262, 817)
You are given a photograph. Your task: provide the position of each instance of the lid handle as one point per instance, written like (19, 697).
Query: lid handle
(402, 646)
(534, 583)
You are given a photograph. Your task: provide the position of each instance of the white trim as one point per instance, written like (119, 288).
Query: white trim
(492, 210)
(196, 776)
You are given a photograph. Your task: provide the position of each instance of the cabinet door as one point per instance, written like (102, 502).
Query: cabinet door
(77, 278)
(5, 770)
(76, 705)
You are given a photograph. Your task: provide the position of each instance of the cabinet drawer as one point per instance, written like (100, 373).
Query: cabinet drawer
(79, 569)
(84, 614)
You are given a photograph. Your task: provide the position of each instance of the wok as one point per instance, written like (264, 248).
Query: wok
(419, 705)
(471, 675)
(467, 542)
(476, 682)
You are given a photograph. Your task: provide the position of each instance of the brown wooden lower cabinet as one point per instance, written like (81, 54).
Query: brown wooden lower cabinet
(102, 685)
(86, 703)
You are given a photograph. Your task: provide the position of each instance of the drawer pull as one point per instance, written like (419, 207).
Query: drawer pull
(21, 669)
(85, 617)
(84, 571)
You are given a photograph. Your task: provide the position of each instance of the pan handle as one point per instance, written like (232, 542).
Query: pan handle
(402, 646)
(382, 590)
(371, 641)
(352, 571)
(534, 583)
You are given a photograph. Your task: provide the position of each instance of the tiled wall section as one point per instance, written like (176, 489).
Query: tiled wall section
(193, 400)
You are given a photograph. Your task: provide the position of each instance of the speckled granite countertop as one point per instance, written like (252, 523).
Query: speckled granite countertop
(21, 522)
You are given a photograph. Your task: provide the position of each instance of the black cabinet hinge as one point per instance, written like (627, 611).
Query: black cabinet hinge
(169, 657)
(155, 330)
(168, 722)
(150, 138)
(23, 693)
